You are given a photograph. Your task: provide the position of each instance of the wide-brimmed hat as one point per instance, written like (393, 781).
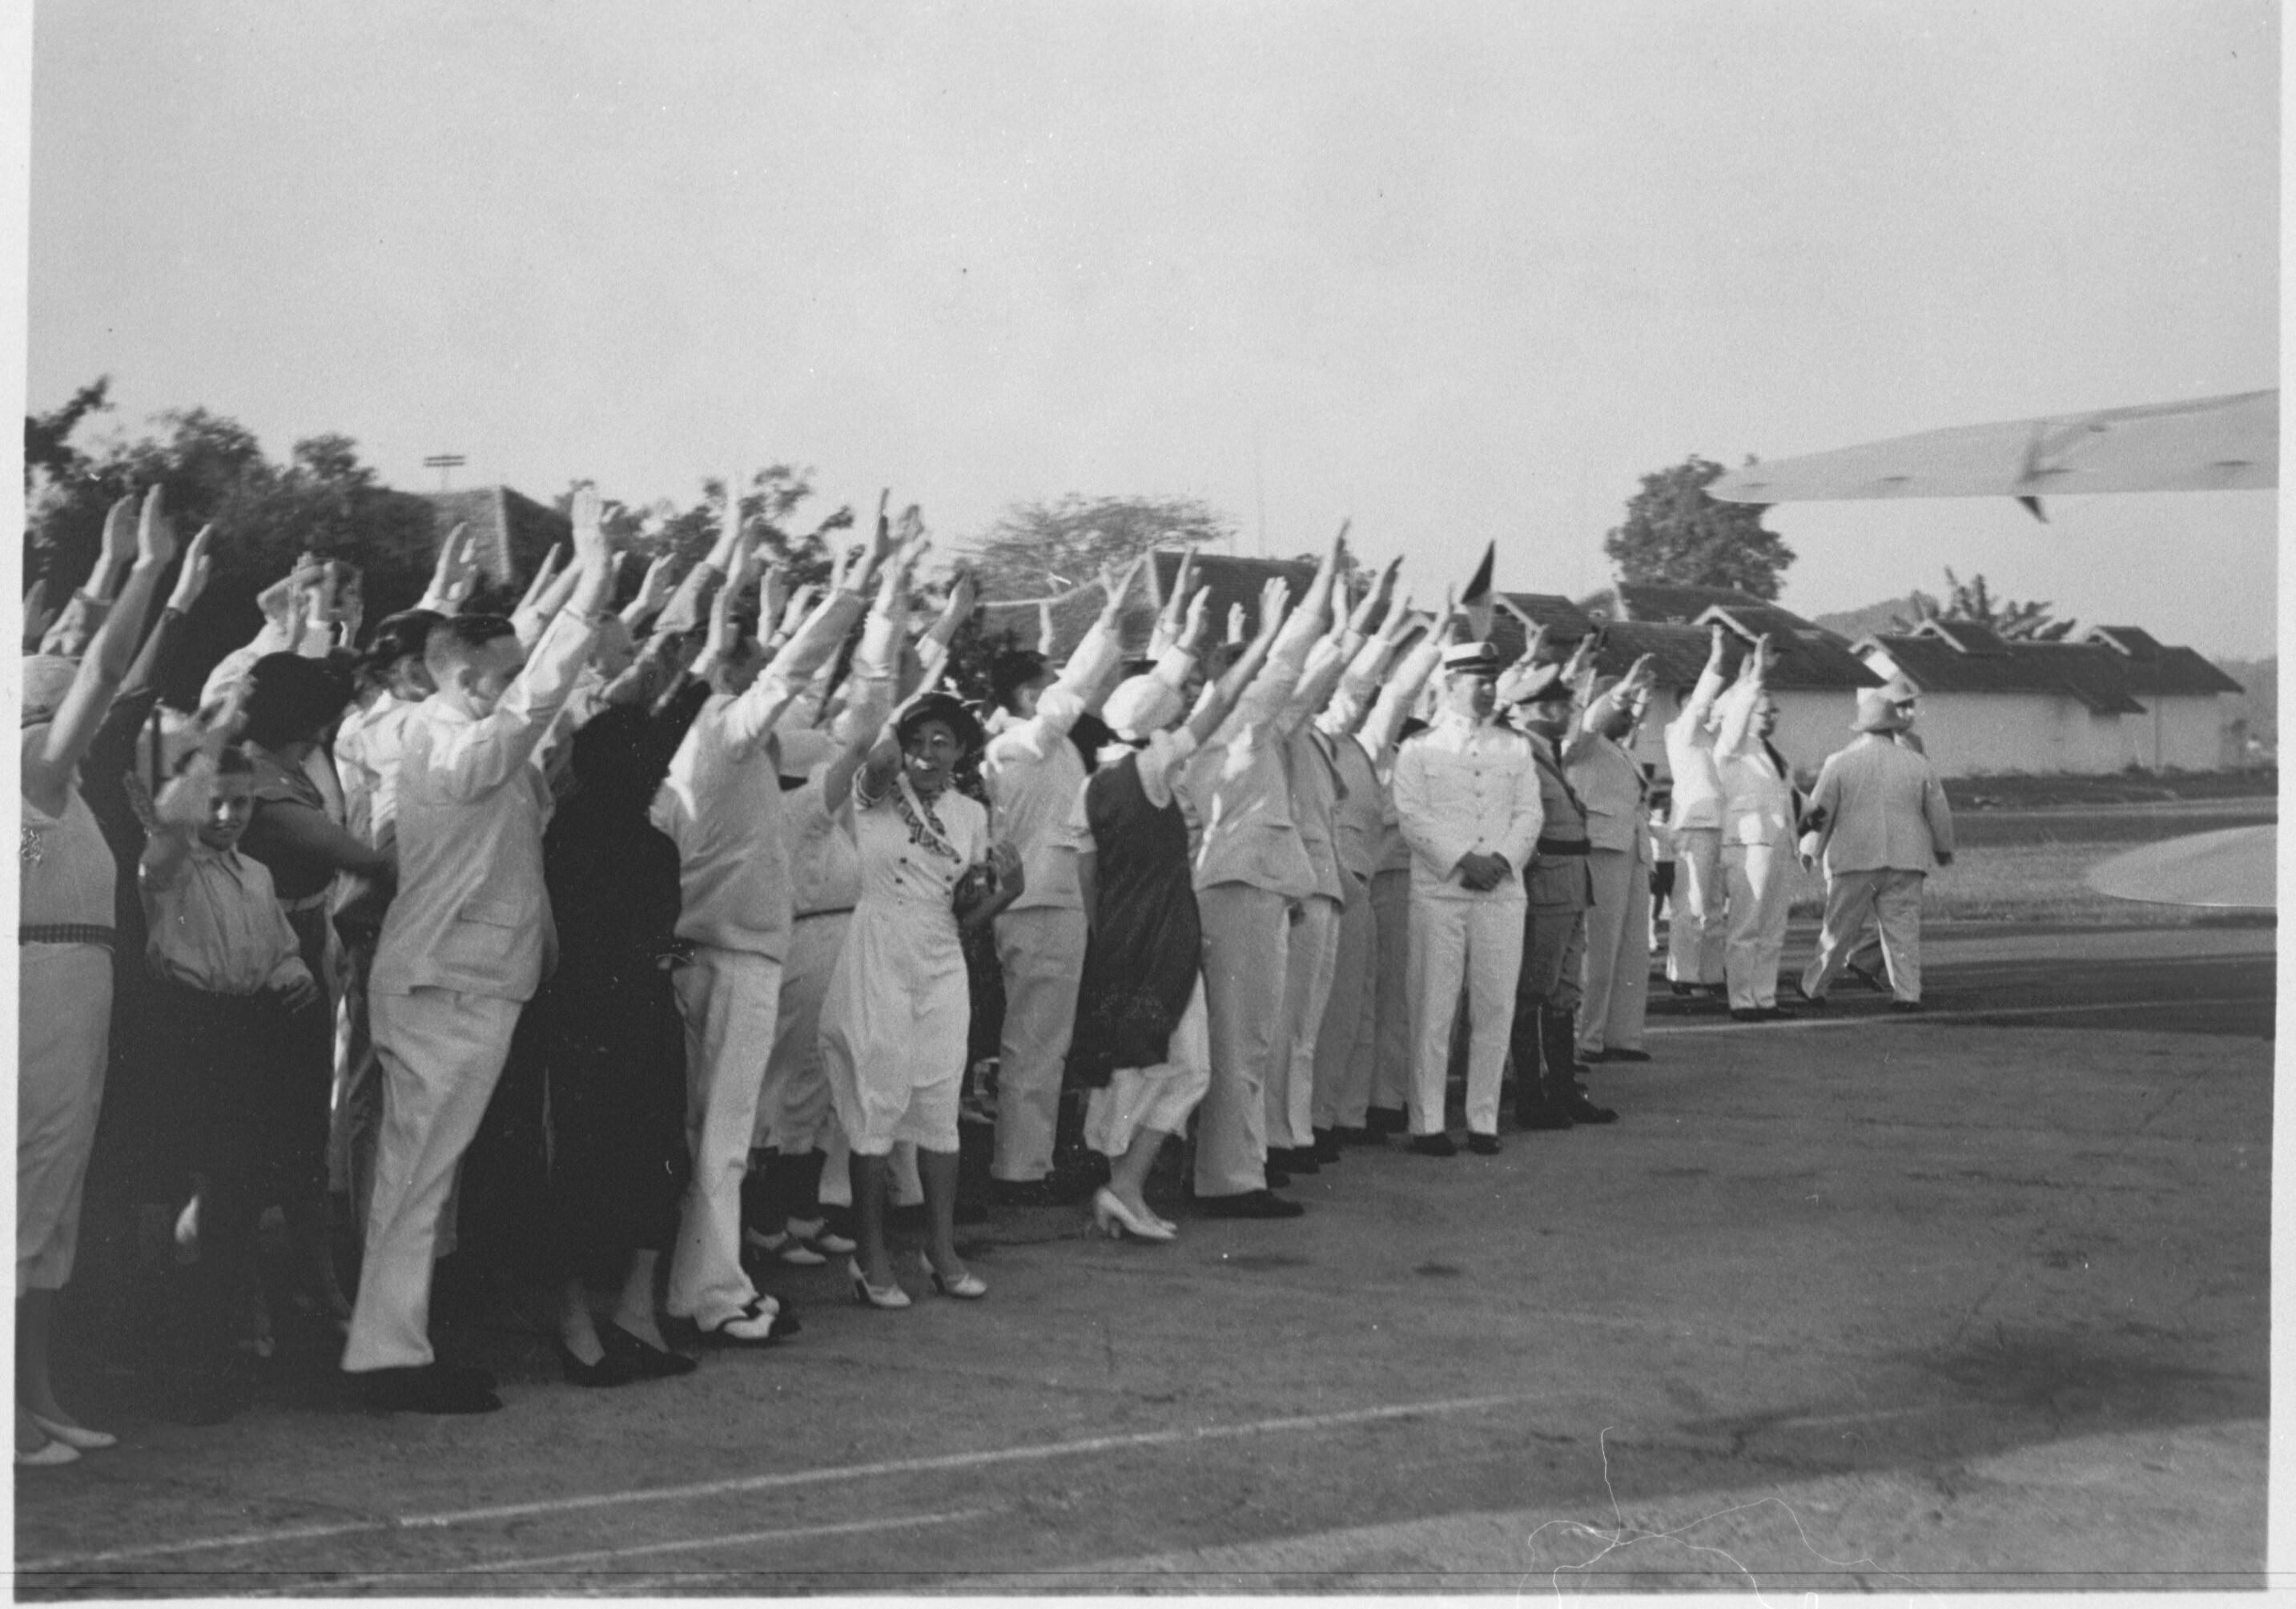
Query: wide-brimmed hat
(47, 678)
(1898, 690)
(1875, 712)
(949, 709)
(1142, 704)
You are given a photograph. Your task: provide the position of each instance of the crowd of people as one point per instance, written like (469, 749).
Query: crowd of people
(683, 908)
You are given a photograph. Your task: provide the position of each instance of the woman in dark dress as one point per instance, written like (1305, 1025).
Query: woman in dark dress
(1142, 1044)
(605, 1032)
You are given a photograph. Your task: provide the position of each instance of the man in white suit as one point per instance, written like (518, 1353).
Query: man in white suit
(1697, 931)
(1466, 796)
(1758, 839)
(462, 950)
(1886, 825)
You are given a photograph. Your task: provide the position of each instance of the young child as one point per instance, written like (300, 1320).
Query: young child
(241, 1016)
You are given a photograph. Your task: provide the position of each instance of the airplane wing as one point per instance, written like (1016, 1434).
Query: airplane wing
(2234, 868)
(2211, 444)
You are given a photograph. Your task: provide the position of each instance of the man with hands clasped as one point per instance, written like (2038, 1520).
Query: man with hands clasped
(1467, 800)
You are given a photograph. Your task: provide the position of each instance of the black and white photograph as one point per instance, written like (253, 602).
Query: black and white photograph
(1209, 798)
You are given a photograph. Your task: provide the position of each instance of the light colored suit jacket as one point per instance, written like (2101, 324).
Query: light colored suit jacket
(1758, 803)
(1885, 810)
(1462, 788)
(471, 913)
(1610, 784)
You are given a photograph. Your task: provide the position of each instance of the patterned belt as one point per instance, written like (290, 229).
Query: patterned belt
(1561, 846)
(65, 932)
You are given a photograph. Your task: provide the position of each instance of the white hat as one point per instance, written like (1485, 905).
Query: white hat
(1472, 658)
(1142, 704)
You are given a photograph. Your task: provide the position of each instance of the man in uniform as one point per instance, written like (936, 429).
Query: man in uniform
(1468, 803)
(1547, 1093)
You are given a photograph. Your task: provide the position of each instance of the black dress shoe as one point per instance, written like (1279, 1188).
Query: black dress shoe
(1621, 1054)
(1483, 1145)
(1251, 1204)
(643, 1361)
(1387, 1119)
(1815, 1002)
(1300, 1158)
(1327, 1145)
(1365, 1135)
(1872, 980)
(1748, 1013)
(1681, 991)
(1906, 1006)
(1777, 1014)
(1584, 1111)
(1433, 1145)
(1278, 1178)
(466, 1375)
(421, 1391)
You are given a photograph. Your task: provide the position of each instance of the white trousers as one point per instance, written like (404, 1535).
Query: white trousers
(1697, 927)
(63, 1039)
(1247, 939)
(794, 1111)
(1155, 1099)
(1344, 1044)
(1760, 876)
(1616, 984)
(1390, 1068)
(1041, 951)
(441, 1053)
(730, 1000)
(1892, 900)
(1308, 970)
(1476, 941)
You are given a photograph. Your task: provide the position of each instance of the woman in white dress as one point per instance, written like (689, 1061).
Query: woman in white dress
(894, 1026)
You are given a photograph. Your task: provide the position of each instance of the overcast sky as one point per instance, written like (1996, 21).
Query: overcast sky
(1462, 271)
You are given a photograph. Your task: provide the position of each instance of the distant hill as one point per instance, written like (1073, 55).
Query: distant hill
(1854, 623)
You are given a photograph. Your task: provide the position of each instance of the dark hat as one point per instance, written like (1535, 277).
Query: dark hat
(948, 708)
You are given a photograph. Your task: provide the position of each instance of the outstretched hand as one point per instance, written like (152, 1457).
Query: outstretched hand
(155, 533)
(192, 579)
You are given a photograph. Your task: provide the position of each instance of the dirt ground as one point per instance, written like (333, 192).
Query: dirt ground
(1974, 1301)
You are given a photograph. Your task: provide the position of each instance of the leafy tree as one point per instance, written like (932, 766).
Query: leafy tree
(1037, 549)
(2032, 621)
(1676, 534)
(769, 505)
(47, 437)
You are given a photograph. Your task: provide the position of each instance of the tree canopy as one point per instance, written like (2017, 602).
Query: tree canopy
(1040, 549)
(2032, 621)
(1676, 535)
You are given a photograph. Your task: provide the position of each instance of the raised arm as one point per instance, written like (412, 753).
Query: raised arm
(546, 597)
(1256, 686)
(653, 592)
(47, 769)
(1737, 707)
(1402, 690)
(453, 574)
(1700, 706)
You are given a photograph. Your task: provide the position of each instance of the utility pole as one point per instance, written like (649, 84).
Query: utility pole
(443, 463)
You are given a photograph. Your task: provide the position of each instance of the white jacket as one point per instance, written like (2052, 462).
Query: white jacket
(1461, 789)
(471, 913)
(1757, 796)
(1885, 809)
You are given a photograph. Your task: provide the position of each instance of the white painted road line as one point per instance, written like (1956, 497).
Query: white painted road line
(595, 1555)
(737, 1484)
(1870, 1019)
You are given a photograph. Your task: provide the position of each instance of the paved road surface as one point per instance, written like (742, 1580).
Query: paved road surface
(1969, 1301)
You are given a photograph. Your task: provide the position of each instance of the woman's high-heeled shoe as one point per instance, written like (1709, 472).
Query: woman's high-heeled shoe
(47, 1455)
(642, 1358)
(608, 1371)
(868, 1295)
(77, 1436)
(1116, 1220)
(968, 1286)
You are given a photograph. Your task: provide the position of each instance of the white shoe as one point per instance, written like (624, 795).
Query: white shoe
(46, 1454)
(72, 1435)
